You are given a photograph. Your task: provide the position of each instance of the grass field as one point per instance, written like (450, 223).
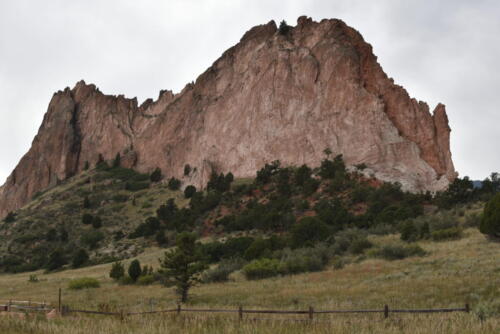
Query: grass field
(454, 273)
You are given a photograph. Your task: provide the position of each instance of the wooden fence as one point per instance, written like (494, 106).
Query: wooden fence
(241, 311)
(24, 305)
(30, 306)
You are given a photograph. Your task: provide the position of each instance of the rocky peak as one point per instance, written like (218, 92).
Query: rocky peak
(271, 96)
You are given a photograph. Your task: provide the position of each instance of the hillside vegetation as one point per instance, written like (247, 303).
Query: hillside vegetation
(111, 213)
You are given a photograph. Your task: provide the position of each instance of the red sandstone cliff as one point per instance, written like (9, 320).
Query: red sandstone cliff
(271, 96)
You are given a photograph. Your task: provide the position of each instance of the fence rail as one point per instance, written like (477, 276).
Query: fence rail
(32, 306)
(24, 305)
(310, 312)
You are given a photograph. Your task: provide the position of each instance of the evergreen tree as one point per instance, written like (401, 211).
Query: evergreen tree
(86, 202)
(134, 270)
(160, 238)
(156, 175)
(87, 218)
(490, 223)
(189, 191)
(86, 165)
(187, 170)
(117, 161)
(183, 265)
(80, 258)
(174, 184)
(56, 260)
(10, 218)
(284, 28)
(117, 271)
(97, 222)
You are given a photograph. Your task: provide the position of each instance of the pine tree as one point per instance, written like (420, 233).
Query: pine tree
(134, 270)
(117, 271)
(80, 258)
(117, 161)
(182, 266)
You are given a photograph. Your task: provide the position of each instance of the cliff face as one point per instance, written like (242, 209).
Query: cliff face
(271, 96)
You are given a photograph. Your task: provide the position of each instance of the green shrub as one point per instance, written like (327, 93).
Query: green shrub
(87, 218)
(187, 169)
(126, 280)
(120, 198)
(398, 252)
(490, 222)
(409, 232)
(92, 238)
(56, 259)
(146, 280)
(359, 245)
(189, 191)
(258, 248)
(117, 271)
(308, 231)
(472, 220)
(338, 263)
(156, 175)
(174, 184)
(83, 283)
(136, 186)
(452, 233)
(303, 259)
(221, 272)
(263, 268)
(79, 258)
(97, 222)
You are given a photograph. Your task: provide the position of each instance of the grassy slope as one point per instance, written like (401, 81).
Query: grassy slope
(62, 206)
(455, 272)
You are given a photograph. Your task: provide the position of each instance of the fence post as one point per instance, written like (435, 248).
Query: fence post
(386, 311)
(59, 306)
(9, 306)
(240, 312)
(178, 309)
(467, 308)
(311, 312)
(122, 317)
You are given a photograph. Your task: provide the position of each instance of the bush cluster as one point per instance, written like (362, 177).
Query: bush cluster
(83, 283)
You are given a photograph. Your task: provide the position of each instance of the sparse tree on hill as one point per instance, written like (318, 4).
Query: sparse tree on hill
(117, 271)
(134, 270)
(86, 202)
(56, 260)
(87, 218)
(187, 170)
(156, 175)
(189, 191)
(174, 184)
(80, 258)
(182, 266)
(97, 222)
(117, 161)
(284, 28)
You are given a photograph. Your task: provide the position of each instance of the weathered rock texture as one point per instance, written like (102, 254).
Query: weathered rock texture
(271, 96)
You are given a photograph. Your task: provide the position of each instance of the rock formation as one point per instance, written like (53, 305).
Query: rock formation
(271, 96)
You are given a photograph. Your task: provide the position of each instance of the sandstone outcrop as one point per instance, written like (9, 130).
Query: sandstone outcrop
(271, 96)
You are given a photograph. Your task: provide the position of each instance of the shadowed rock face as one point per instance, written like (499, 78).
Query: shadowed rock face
(271, 96)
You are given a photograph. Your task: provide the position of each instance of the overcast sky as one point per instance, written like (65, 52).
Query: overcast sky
(440, 51)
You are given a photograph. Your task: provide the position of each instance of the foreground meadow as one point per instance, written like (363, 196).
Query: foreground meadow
(454, 273)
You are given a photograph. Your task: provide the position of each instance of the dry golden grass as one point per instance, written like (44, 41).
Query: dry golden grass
(454, 273)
